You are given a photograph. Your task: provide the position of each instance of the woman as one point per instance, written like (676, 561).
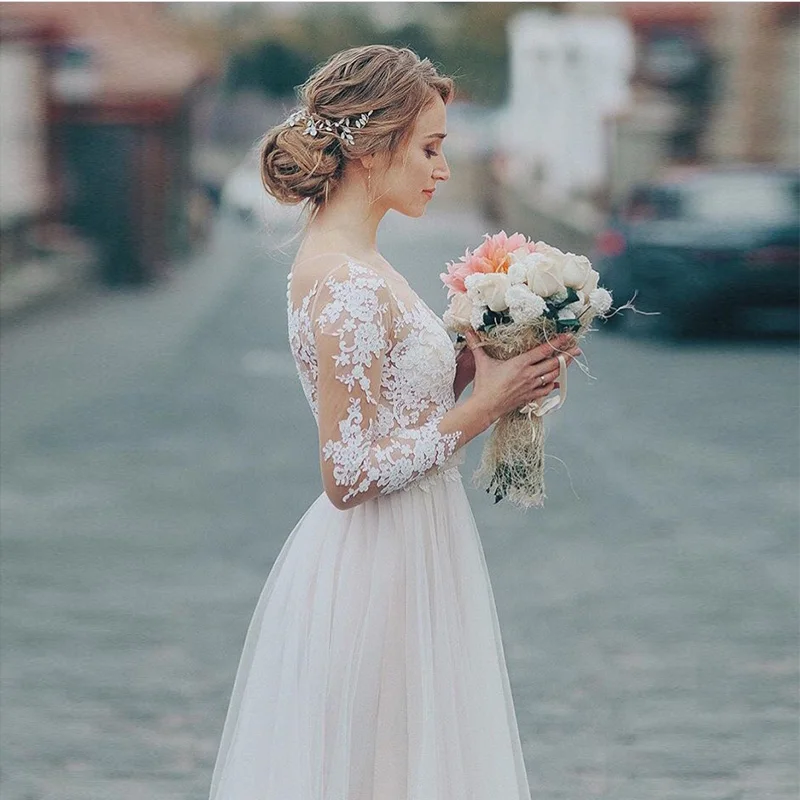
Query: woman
(373, 667)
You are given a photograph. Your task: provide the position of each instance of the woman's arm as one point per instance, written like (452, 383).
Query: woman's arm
(364, 451)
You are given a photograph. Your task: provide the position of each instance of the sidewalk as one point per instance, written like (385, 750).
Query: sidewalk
(28, 284)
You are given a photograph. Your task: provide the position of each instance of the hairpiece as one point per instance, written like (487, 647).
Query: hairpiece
(314, 124)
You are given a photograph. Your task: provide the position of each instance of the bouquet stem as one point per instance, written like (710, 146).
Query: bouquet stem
(512, 462)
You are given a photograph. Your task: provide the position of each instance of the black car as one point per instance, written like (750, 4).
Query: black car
(704, 246)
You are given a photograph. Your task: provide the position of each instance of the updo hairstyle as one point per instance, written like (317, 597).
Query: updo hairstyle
(392, 82)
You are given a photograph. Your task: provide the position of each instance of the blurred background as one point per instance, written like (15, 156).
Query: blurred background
(154, 445)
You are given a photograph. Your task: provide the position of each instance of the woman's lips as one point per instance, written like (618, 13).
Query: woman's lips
(428, 192)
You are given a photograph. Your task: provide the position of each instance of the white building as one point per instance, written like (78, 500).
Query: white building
(567, 74)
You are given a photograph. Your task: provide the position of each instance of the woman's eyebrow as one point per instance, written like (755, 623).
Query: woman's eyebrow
(436, 136)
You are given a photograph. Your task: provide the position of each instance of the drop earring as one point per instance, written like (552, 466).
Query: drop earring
(369, 184)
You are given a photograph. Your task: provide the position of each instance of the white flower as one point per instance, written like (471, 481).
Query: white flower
(476, 317)
(523, 304)
(588, 287)
(517, 272)
(544, 274)
(521, 253)
(458, 312)
(591, 282)
(566, 313)
(549, 250)
(576, 270)
(600, 300)
(488, 289)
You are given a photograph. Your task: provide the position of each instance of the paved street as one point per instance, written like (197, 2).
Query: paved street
(157, 451)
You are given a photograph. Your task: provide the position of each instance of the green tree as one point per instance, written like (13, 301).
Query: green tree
(271, 67)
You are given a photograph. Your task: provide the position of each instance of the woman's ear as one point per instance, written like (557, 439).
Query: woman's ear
(368, 162)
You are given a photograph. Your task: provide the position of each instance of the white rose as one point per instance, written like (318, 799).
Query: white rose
(520, 254)
(488, 289)
(549, 250)
(600, 300)
(576, 270)
(458, 312)
(591, 282)
(588, 287)
(544, 274)
(523, 305)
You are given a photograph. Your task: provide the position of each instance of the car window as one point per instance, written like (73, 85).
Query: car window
(652, 203)
(741, 198)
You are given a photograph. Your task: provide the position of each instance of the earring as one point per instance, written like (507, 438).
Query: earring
(369, 184)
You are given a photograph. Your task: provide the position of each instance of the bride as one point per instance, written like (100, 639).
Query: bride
(373, 667)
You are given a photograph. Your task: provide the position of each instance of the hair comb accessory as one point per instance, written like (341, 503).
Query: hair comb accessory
(342, 128)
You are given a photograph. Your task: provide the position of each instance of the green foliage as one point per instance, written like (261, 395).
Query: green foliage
(271, 67)
(471, 47)
(493, 318)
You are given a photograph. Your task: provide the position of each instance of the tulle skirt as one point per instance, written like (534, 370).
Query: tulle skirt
(373, 667)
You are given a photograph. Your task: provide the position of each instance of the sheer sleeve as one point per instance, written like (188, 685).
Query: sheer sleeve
(366, 448)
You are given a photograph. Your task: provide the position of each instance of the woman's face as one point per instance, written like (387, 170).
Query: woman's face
(408, 182)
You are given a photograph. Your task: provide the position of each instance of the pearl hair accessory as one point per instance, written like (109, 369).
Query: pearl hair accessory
(343, 128)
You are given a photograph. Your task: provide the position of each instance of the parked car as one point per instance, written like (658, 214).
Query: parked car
(705, 246)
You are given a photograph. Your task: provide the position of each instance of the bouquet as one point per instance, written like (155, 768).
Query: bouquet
(516, 293)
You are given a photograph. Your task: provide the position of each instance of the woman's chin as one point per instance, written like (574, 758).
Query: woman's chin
(411, 212)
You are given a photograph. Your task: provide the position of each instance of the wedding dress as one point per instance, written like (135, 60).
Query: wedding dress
(373, 667)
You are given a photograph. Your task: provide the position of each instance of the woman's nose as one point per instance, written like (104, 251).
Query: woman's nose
(442, 172)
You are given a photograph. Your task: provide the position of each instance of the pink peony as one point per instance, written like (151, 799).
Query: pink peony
(493, 255)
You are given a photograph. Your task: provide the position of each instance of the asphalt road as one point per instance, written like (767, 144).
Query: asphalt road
(157, 451)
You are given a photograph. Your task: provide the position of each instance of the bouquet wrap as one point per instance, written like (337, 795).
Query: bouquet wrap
(512, 461)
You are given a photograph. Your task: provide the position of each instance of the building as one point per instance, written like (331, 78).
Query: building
(113, 89)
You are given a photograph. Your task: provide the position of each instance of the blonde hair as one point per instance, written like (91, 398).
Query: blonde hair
(392, 82)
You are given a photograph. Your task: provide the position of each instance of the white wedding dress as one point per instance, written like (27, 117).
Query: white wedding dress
(373, 667)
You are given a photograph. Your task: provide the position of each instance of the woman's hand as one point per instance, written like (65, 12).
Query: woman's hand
(504, 386)
(465, 371)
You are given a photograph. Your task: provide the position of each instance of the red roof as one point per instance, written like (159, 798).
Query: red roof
(139, 50)
(647, 14)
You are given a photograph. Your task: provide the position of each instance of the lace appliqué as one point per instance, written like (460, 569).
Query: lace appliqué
(355, 306)
(301, 339)
(397, 363)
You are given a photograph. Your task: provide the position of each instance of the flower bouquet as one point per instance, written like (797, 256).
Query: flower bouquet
(516, 294)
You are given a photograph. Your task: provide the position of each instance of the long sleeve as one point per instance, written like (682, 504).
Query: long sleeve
(379, 431)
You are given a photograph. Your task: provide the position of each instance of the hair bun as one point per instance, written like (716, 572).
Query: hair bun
(296, 167)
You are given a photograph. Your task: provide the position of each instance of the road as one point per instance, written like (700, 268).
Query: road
(157, 451)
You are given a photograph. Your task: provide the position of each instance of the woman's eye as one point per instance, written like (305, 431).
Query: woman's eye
(430, 153)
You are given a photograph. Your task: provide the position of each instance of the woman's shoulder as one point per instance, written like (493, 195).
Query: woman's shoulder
(335, 268)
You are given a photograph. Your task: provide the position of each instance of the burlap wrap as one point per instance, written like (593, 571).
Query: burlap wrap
(512, 462)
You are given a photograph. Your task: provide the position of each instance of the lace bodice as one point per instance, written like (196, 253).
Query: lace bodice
(377, 368)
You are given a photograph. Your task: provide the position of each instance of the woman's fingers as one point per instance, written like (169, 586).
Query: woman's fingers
(547, 366)
(559, 344)
(474, 344)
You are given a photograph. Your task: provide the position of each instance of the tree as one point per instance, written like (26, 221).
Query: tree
(271, 67)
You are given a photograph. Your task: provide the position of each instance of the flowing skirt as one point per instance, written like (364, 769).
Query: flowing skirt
(373, 667)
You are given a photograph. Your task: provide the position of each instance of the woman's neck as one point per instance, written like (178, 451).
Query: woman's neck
(347, 223)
